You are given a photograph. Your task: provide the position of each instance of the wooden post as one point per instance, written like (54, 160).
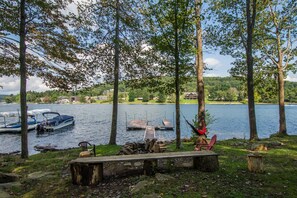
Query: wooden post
(206, 163)
(255, 163)
(86, 174)
(149, 167)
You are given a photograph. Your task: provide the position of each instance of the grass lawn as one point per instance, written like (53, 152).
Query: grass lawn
(232, 180)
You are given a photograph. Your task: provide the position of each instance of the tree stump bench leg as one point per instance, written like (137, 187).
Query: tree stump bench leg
(86, 174)
(206, 163)
(149, 167)
(255, 163)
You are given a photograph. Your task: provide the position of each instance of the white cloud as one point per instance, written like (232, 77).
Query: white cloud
(218, 64)
(72, 7)
(292, 78)
(212, 61)
(11, 85)
(207, 74)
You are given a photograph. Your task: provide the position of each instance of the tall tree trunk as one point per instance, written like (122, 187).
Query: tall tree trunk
(281, 100)
(113, 132)
(23, 74)
(281, 87)
(177, 87)
(249, 60)
(199, 65)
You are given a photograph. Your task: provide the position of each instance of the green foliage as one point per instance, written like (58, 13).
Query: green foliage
(145, 96)
(209, 120)
(51, 48)
(111, 26)
(222, 89)
(82, 99)
(8, 99)
(161, 97)
(132, 96)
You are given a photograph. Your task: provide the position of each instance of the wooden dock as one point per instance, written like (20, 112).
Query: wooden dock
(142, 125)
(137, 125)
(149, 133)
(166, 125)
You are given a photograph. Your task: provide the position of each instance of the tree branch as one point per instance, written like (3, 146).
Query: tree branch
(270, 56)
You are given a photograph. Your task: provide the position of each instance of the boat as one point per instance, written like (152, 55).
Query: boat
(10, 122)
(54, 121)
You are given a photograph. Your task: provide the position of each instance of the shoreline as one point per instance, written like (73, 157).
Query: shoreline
(153, 103)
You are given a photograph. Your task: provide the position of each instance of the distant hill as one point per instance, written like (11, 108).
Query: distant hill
(216, 89)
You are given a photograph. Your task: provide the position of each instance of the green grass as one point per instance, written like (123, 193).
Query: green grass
(232, 179)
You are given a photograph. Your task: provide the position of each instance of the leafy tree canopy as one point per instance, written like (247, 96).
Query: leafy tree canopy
(51, 48)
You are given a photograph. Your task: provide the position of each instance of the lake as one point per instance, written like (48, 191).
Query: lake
(93, 123)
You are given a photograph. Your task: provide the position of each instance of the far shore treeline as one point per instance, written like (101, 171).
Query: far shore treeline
(217, 89)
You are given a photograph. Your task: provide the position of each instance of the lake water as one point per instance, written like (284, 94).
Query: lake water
(93, 123)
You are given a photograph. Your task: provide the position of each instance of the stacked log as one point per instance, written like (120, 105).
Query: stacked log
(149, 146)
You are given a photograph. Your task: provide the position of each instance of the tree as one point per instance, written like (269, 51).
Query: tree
(114, 29)
(132, 96)
(161, 97)
(23, 72)
(264, 76)
(199, 64)
(51, 48)
(145, 96)
(232, 29)
(172, 40)
(232, 94)
(251, 10)
(277, 45)
(42, 44)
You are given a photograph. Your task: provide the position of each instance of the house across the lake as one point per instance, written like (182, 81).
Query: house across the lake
(191, 96)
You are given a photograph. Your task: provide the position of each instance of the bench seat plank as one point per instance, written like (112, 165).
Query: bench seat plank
(148, 156)
(89, 171)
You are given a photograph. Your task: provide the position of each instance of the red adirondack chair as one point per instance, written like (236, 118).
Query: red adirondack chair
(208, 146)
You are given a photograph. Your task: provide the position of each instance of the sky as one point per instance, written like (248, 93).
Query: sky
(220, 65)
(11, 85)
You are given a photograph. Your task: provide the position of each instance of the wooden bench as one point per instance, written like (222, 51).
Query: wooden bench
(89, 171)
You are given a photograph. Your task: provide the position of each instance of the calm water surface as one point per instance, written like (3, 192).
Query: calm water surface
(93, 123)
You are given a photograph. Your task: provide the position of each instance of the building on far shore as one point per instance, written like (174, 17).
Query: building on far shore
(102, 98)
(191, 96)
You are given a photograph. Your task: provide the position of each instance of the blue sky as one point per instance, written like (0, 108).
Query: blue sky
(11, 85)
(219, 64)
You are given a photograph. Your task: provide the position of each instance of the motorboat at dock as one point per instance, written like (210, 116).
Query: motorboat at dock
(10, 122)
(54, 121)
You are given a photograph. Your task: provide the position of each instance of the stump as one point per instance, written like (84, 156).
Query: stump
(255, 163)
(206, 163)
(86, 174)
(149, 167)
